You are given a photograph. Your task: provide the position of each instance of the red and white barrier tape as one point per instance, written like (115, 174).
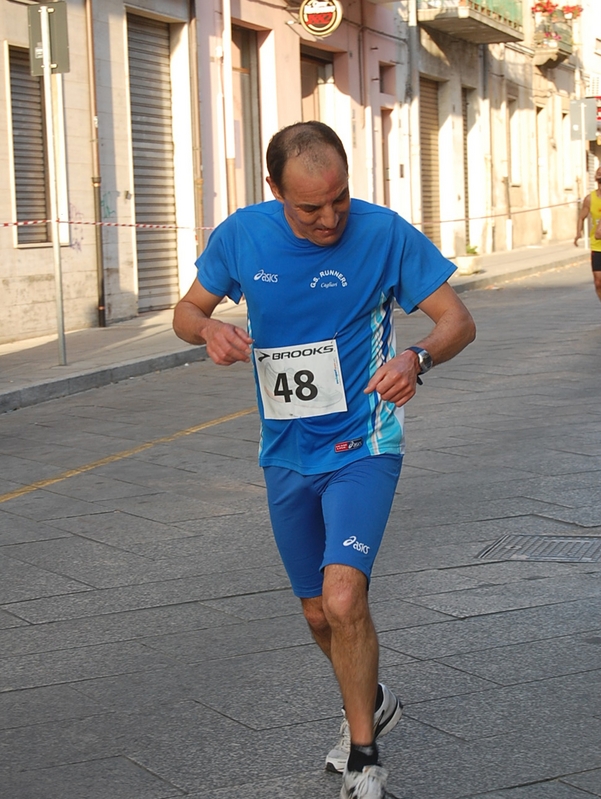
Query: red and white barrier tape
(507, 214)
(75, 223)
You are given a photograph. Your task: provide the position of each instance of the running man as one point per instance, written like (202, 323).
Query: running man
(320, 273)
(591, 205)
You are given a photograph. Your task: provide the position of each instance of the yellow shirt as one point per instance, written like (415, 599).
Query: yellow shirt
(596, 215)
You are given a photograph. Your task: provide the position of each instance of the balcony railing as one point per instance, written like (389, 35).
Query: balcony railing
(478, 21)
(553, 40)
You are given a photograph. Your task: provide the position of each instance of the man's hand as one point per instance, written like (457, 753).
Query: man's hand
(226, 343)
(454, 329)
(395, 381)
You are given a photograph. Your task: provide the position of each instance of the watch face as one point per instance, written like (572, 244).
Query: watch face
(425, 360)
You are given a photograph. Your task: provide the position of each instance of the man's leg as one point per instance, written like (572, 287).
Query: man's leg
(354, 647)
(596, 265)
(318, 624)
(597, 279)
(342, 627)
(329, 570)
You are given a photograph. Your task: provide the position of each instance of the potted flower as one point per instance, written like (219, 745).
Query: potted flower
(544, 7)
(572, 12)
(551, 39)
(468, 264)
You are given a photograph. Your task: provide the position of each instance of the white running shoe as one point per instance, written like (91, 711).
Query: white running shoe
(367, 784)
(387, 716)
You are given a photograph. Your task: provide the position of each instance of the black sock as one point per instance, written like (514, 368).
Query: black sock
(362, 756)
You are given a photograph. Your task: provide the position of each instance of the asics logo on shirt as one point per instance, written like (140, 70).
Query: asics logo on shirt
(266, 277)
(352, 542)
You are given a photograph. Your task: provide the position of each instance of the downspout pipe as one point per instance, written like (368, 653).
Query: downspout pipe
(414, 120)
(196, 134)
(96, 177)
(228, 107)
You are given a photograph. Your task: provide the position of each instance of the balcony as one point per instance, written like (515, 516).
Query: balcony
(553, 41)
(477, 21)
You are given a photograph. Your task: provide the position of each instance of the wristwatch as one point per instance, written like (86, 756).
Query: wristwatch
(424, 359)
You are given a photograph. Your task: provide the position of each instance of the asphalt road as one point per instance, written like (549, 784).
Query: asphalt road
(150, 646)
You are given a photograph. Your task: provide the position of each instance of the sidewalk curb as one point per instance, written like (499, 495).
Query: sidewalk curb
(478, 281)
(63, 387)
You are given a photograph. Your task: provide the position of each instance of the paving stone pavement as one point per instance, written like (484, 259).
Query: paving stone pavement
(150, 646)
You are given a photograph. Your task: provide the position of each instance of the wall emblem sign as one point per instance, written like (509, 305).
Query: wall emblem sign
(320, 17)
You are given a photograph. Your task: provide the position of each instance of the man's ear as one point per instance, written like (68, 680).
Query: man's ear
(274, 189)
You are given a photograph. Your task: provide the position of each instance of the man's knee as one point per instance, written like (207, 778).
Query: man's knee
(344, 595)
(314, 615)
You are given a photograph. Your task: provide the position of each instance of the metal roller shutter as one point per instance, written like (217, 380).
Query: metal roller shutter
(29, 148)
(152, 142)
(428, 122)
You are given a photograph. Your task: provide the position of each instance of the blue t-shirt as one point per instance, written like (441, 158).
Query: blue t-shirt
(299, 293)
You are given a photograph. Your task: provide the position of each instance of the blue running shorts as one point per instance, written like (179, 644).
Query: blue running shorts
(336, 517)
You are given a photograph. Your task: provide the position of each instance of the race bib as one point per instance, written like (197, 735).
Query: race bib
(300, 381)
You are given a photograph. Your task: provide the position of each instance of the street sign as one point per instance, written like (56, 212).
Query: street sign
(583, 119)
(59, 41)
(320, 17)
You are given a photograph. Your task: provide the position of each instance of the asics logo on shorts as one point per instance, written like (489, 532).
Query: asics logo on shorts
(352, 542)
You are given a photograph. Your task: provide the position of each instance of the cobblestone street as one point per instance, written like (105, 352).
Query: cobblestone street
(150, 647)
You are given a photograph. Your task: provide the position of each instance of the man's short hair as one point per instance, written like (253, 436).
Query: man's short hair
(294, 140)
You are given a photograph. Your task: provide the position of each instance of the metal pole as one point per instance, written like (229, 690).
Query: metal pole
(56, 248)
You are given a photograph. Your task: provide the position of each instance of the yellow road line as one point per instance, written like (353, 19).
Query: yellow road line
(119, 456)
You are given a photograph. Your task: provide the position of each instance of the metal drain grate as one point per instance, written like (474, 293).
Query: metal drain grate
(565, 549)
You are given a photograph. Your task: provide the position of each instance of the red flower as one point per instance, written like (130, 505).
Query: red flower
(544, 7)
(572, 11)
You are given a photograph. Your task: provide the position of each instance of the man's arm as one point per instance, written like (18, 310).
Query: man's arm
(453, 330)
(192, 322)
(584, 212)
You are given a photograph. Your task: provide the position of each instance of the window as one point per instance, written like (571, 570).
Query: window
(249, 184)
(566, 152)
(317, 75)
(387, 79)
(29, 149)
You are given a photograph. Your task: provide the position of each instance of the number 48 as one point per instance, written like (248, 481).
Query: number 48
(305, 387)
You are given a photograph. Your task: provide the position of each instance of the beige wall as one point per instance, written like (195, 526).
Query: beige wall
(27, 271)
(378, 125)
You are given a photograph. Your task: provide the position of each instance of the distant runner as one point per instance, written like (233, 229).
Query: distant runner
(591, 205)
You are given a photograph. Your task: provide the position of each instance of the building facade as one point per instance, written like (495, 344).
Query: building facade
(462, 115)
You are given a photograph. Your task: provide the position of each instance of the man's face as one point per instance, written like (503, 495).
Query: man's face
(316, 198)
(598, 176)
